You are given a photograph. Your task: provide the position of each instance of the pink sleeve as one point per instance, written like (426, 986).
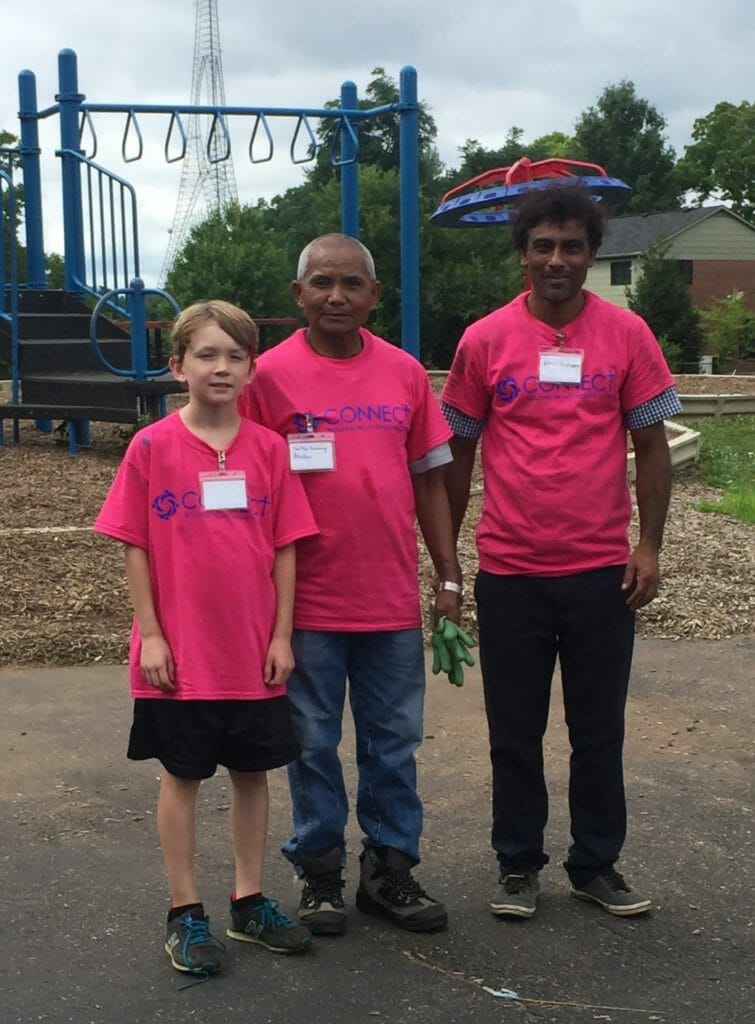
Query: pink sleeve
(292, 516)
(647, 373)
(465, 387)
(428, 427)
(125, 512)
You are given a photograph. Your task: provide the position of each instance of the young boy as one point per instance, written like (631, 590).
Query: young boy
(209, 514)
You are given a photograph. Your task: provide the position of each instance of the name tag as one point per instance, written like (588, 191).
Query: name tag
(561, 365)
(311, 453)
(223, 489)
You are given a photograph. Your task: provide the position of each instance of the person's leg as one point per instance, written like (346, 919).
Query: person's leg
(176, 827)
(386, 690)
(316, 691)
(596, 642)
(249, 813)
(253, 917)
(517, 657)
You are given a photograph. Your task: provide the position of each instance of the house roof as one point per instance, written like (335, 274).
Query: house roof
(629, 236)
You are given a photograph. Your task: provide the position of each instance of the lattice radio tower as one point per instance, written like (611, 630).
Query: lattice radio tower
(204, 185)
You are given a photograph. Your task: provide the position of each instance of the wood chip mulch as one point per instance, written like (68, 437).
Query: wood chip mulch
(62, 589)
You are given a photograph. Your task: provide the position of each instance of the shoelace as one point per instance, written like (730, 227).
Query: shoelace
(401, 887)
(327, 887)
(198, 933)
(270, 916)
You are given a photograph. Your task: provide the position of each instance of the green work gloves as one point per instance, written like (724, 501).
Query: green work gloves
(450, 648)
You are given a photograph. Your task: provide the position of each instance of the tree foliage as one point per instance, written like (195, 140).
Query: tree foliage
(625, 134)
(661, 297)
(729, 328)
(720, 163)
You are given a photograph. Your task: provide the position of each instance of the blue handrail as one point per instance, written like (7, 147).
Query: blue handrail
(138, 316)
(111, 228)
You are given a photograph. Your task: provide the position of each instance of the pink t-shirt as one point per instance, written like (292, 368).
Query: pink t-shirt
(360, 572)
(554, 455)
(210, 570)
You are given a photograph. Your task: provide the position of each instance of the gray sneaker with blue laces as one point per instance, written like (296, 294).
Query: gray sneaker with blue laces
(264, 924)
(191, 946)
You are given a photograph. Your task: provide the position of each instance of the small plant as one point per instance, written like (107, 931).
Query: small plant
(729, 326)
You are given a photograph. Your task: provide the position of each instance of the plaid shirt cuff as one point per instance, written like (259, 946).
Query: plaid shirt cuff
(662, 407)
(461, 424)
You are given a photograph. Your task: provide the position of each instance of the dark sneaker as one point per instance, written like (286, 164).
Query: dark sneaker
(191, 946)
(386, 887)
(516, 894)
(610, 891)
(321, 906)
(263, 923)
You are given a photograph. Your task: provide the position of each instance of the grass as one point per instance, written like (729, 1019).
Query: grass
(727, 461)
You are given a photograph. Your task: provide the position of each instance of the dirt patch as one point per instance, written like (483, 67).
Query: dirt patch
(63, 593)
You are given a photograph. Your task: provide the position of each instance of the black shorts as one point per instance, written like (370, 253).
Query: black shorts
(192, 737)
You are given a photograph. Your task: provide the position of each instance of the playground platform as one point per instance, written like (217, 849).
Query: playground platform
(83, 898)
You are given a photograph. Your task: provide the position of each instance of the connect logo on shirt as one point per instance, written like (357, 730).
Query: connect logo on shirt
(355, 417)
(592, 385)
(507, 389)
(167, 504)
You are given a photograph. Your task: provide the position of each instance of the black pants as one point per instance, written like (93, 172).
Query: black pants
(525, 622)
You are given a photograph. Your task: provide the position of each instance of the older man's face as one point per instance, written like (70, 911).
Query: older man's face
(336, 293)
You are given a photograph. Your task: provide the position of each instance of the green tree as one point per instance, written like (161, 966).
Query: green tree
(661, 297)
(625, 134)
(10, 162)
(235, 255)
(729, 328)
(720, 163)
(378, 136)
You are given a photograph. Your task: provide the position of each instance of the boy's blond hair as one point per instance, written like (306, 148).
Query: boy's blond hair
(229, 318)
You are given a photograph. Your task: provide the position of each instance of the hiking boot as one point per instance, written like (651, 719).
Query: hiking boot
(321, 906)
(610, 891)
(191, 946)
(264, 924)
(386, 887)
(516, 894)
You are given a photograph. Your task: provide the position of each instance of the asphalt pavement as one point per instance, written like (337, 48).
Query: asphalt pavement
(83, 902)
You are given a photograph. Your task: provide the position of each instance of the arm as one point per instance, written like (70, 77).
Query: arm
(156, 658)
(459, 478)
(279, 661)
(434, 518)
(653, 487)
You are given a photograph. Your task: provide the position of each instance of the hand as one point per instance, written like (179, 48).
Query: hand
(157, 663)
(448, 605)
(279, 663)
(643, 573)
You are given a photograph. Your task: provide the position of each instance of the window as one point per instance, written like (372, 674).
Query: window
(621, 272)
(685, 266)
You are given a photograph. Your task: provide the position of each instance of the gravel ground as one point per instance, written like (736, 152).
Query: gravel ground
(63, 593)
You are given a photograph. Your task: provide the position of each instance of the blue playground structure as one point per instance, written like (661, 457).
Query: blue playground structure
(68, 362)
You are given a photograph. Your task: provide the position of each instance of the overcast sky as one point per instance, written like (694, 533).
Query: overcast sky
(482, 66)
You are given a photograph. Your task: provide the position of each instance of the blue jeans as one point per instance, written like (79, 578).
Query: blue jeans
(386, 677)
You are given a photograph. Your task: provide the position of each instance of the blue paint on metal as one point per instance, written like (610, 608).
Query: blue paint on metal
(29, 149)
(348, 163)
(69, 100)
(409, 207)
(136, 294)
(469, 210)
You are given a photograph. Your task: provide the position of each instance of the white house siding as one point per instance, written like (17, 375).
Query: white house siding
(599, 281)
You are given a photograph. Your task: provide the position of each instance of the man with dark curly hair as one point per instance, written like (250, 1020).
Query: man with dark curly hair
(552, 382)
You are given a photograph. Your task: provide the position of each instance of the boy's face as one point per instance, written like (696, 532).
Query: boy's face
(214, 367)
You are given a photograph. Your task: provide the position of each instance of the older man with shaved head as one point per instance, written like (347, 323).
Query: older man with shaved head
(369, 441)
